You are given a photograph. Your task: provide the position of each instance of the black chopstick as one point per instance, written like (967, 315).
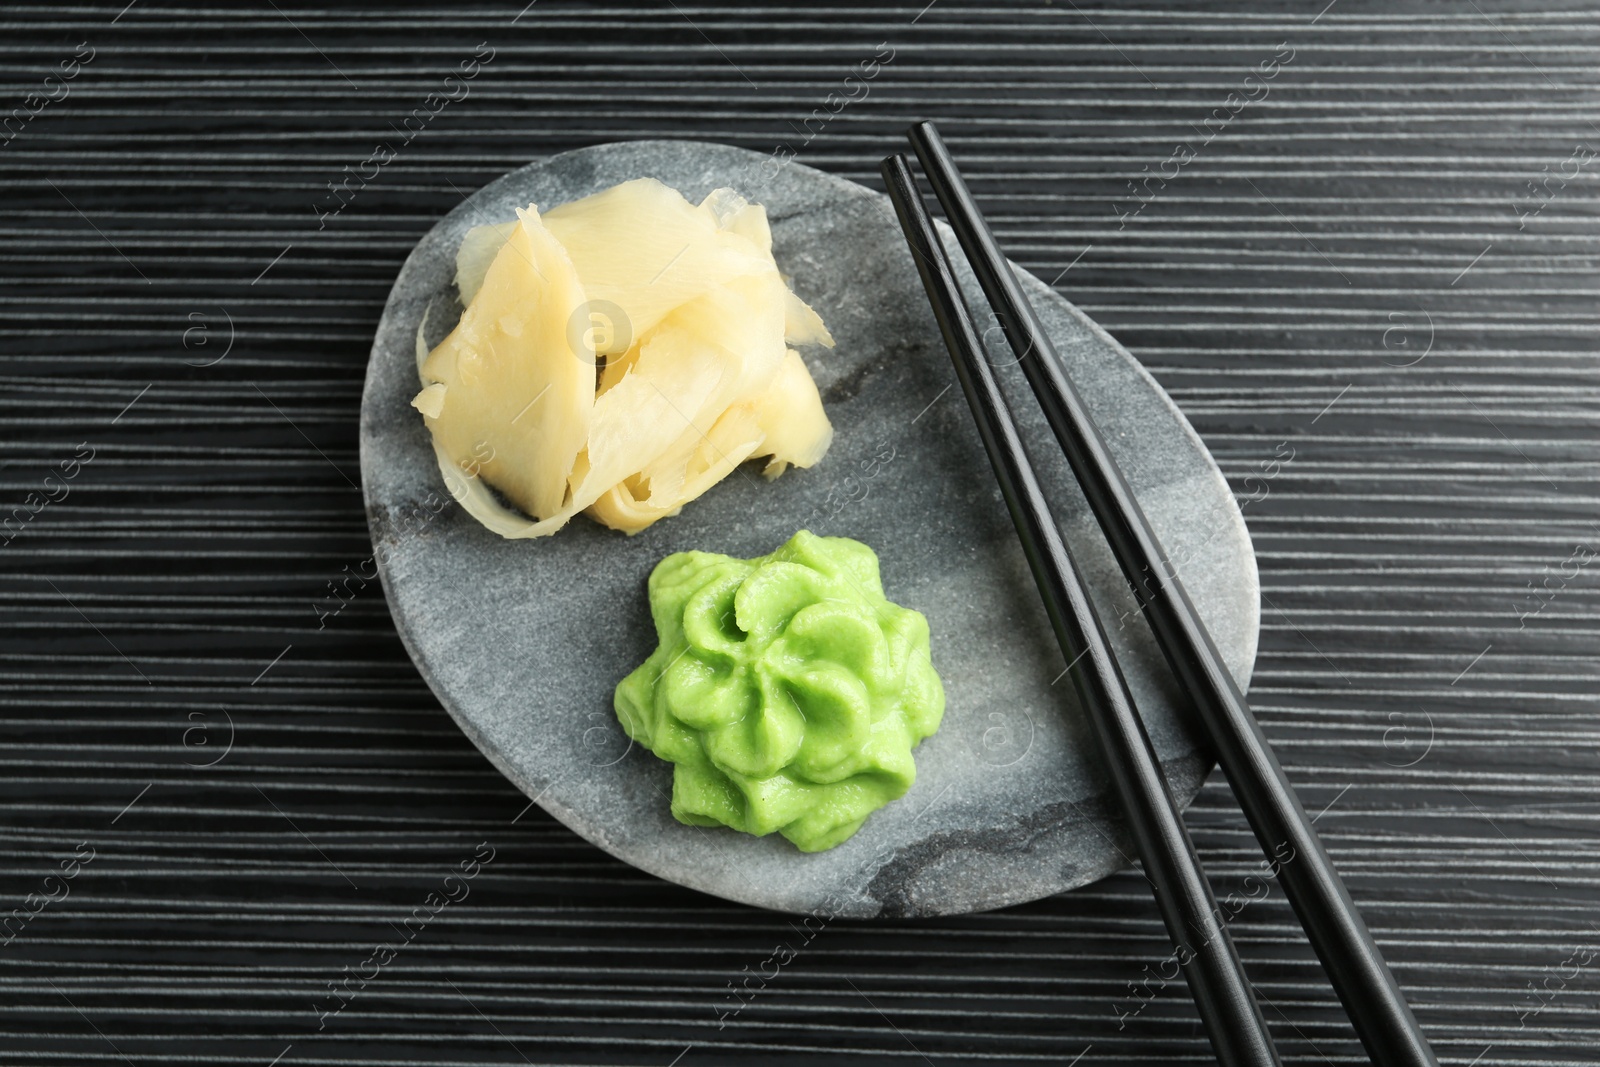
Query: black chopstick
(1356, 968)
(1210, 964)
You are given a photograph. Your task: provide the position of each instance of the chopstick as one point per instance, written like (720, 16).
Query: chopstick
(1363, 981)
(1212, 968)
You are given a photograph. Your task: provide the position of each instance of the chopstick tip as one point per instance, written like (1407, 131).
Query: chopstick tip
(895, 167)
(924, 131)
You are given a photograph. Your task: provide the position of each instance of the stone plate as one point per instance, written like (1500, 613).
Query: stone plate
(524, 641)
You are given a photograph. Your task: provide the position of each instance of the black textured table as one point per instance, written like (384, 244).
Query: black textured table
(1356, 243)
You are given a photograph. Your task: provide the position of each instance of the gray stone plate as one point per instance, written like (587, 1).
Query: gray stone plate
(523, 641)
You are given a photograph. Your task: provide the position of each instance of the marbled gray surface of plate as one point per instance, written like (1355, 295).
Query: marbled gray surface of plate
(524, 641)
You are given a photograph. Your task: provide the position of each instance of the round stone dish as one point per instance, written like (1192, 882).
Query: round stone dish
(524, 641)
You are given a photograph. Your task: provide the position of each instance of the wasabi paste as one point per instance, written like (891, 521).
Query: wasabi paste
(787, 690)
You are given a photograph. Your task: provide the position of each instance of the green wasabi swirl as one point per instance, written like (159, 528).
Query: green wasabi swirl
(787, 691)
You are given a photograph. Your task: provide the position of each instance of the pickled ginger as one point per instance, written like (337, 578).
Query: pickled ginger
(619, 355)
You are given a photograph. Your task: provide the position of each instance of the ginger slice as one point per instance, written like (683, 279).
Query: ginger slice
(517, 385)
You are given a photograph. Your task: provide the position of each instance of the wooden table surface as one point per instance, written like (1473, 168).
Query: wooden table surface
(1355, 242)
